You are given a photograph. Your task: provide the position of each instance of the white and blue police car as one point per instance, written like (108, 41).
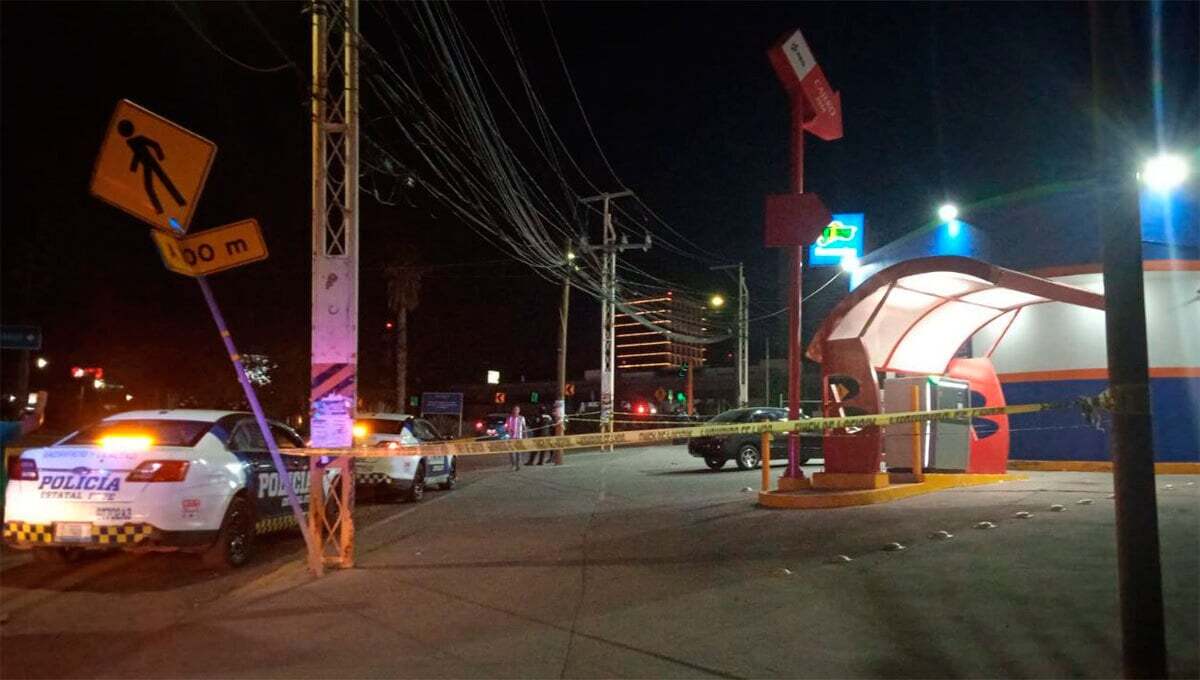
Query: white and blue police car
(195, 480)
(404, 476)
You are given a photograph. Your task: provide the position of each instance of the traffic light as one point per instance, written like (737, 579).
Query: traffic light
(683, 370)
(533, 397)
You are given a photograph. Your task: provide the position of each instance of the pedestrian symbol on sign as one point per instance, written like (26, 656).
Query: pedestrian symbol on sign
(141, 146)
(152, 168)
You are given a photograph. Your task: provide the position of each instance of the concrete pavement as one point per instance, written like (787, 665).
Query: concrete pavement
(639, 563)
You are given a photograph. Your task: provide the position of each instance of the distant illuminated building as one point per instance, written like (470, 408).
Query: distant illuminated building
(639, 346)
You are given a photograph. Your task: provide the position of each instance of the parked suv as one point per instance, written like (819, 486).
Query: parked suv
(743, 449)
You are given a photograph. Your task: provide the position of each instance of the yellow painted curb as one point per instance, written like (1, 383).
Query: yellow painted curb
(814, 499)
(1098, 466)
(847, 481)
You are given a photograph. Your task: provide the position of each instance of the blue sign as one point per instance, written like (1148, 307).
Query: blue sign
(1170, 218)
(843, 237)
(20, 337)
(448, 403)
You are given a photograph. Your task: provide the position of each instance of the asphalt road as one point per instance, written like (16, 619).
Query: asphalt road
(639, 563)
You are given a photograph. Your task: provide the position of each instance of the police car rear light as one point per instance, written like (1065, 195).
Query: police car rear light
(126, 442)
(22, 469)
(159, 471)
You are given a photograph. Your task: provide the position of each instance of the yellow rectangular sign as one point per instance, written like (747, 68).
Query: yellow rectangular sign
(151, 168)
(209, 252)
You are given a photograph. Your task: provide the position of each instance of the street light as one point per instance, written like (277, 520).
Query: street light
(41, 362)
(1164, 172)
(716, 301)
(948, 212)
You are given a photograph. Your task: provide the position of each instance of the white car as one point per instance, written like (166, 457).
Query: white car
(195, 480)
(405, 476)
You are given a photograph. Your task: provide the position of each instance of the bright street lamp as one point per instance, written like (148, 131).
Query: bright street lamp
(41, 362)
(1164, 172)
(948, 212)
(716, 301)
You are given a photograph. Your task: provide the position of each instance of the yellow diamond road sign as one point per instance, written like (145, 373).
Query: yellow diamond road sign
(214, 250)
(151, 168)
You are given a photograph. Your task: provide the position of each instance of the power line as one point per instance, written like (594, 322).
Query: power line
(196, 29)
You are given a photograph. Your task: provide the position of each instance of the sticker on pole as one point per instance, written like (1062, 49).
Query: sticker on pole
(212, 251)
(331, 423)
(151, 168)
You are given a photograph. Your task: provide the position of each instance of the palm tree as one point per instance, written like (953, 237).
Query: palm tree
(403, 291)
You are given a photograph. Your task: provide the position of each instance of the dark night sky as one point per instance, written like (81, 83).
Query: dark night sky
(962, 101)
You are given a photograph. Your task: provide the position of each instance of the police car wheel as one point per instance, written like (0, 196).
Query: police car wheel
(236, 539)
(714, 463)
(417, 491)
(451, 478)
(747, 457)
(56, 555)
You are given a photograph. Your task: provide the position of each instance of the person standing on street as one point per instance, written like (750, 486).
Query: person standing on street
(542, 428)
(514, 425)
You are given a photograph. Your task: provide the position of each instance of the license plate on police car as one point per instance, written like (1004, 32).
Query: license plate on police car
(73, 532)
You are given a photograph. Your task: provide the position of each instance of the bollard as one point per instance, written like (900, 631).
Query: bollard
(918, 471)
(766, 461)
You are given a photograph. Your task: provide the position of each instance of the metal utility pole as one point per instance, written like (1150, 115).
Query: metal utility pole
(1143, 640)
(333, 395)
(743, 334)
(608, 307)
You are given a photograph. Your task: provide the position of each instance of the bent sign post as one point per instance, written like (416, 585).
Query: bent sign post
(155, 170)
(151, 168)
(212, 251)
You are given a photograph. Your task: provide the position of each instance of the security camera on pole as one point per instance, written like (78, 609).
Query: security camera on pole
(795, 220)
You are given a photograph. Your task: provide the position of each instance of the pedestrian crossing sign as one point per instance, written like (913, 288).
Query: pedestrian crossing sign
(151, 168)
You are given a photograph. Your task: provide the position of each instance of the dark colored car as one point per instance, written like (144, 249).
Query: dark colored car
(743, 449)
(491, 427)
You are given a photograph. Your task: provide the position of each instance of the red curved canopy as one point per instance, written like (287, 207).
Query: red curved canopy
(913, 316)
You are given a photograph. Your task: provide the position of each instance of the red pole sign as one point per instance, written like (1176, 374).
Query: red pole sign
(817, 109)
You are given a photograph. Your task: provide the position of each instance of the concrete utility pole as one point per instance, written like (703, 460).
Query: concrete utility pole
(333, 395)
(1143, 639)
(743, 334)
(608, 306)
(560, 405)
(767, 371)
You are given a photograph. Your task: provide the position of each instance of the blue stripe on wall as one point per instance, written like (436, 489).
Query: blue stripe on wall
(1066, 435)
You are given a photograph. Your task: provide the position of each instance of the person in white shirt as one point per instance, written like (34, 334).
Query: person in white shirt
(514, 425)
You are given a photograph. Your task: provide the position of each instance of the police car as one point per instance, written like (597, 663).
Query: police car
(403, 476)
(195, 480)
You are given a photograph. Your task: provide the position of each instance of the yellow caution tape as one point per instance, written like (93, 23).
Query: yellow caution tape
(659, 436)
